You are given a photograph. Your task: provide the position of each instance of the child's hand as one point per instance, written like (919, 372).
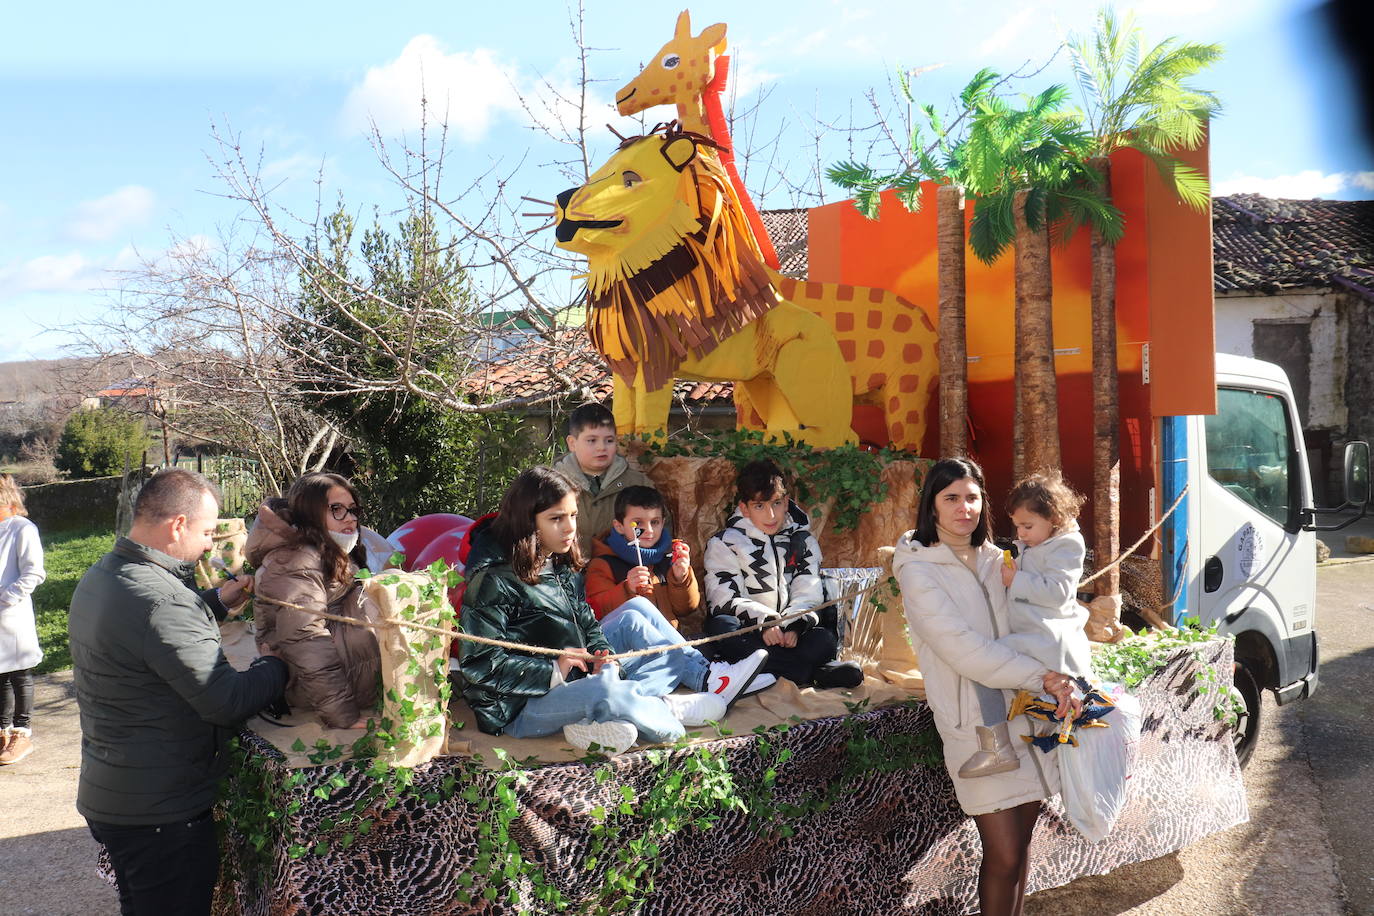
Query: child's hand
(576, 659)
(681, 569)
(640, 581)
(600, 661)
(1008, 573)
(778, 636)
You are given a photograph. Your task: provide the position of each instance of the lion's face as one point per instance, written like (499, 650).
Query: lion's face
(636, 207)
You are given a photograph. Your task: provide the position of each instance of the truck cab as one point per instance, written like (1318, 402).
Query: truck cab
(1253, 568)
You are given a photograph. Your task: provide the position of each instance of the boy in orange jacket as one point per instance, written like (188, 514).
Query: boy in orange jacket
(658, 568)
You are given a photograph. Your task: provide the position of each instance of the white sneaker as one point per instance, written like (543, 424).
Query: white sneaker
(694, 709)
(612, 738)
(730, 681)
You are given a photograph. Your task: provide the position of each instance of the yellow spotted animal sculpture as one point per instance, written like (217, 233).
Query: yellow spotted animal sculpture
(888, 342)
(677, 289)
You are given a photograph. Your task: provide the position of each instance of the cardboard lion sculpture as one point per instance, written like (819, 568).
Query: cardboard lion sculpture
(678, 289)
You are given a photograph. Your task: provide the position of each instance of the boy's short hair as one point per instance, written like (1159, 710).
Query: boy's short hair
(639, 497)
(760, 479)
(590, 416)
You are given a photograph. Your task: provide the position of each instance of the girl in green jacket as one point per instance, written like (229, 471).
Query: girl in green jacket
(524, 586)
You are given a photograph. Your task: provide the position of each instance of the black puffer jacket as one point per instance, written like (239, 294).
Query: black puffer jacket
(496, 604)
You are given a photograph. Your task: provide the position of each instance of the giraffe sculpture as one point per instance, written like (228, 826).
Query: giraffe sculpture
(888, 342)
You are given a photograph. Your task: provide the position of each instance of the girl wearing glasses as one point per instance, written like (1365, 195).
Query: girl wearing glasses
(306, 551)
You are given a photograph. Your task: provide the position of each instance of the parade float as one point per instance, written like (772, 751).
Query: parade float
(802, 801)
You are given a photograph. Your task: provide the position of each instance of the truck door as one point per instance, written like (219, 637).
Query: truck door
(1258, 567)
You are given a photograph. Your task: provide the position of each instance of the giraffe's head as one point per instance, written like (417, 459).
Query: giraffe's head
(678, 73)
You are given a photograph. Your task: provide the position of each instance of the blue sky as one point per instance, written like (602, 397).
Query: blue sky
(108, 108)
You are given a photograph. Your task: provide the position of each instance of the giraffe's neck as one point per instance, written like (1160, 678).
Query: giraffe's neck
(692, 114)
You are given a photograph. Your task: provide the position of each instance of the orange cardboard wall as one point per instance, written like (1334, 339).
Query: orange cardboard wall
(1164, 299)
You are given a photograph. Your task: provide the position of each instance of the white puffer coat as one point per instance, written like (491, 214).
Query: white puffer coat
(1046, 618)
(21, 571)
(956, 618)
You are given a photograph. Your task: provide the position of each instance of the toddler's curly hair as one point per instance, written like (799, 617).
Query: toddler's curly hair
(1048, 496)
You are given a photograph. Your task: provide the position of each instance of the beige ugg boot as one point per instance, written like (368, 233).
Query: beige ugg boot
(994, 755)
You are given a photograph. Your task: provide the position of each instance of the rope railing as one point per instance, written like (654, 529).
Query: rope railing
(544, 650)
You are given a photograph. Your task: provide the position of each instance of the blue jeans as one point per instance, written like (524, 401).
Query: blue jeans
(599, 698)
(637, 624)
(992, 706)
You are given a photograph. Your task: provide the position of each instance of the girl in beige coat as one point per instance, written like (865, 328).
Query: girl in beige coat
(306, 553)
(956, 608)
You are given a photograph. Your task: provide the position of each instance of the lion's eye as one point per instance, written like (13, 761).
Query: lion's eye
(670, 61)
(630, 178)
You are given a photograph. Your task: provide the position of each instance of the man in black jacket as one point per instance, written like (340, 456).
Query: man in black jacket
(158, 699)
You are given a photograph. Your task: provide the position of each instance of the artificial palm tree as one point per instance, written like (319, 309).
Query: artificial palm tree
(1142, 102)
(1024, 169)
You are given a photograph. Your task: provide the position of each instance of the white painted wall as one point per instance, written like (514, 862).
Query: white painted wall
(1235, 317)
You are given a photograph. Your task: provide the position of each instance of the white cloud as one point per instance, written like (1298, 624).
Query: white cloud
(71, 272)
(297, 166)
(1303, 185)
(468, 89)
(1002, 39)
(105, 217)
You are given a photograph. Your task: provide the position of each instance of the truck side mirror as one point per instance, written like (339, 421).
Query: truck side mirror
(1357, 473)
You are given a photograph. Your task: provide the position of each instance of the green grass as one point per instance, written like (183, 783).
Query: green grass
(66, 556)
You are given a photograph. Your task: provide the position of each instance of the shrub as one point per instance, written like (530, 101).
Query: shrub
(99, 443)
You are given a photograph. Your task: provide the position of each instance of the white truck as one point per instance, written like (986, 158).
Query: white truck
(1241, 549)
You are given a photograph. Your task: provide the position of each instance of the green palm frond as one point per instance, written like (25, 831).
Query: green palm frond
(992, 229)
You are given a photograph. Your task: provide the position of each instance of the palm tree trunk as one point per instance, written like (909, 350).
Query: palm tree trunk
(1036, 433)
(1106, 408)
(953, 346)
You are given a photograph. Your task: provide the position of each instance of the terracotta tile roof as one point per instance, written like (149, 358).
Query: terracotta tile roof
(534, 367)
(1264, 244)
(787, 229)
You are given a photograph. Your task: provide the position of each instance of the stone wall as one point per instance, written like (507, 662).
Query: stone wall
(700, 493)
(73, 504)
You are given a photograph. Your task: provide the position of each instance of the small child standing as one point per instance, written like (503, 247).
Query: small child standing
(765, 565)
(1045, 616)
(21, 571)
(600, 473)
(640, 578)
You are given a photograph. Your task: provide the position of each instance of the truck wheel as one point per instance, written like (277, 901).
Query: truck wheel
(1247, 732)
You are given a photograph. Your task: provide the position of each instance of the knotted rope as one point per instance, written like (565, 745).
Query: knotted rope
(1143, 538)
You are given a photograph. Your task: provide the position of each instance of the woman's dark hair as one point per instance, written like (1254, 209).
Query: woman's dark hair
(759, 480)
(307, 503)
(530, 493)
(943, 473)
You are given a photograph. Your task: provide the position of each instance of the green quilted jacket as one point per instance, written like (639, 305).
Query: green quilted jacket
(552, 613)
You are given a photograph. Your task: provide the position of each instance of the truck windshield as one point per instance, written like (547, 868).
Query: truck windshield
(1250, 451)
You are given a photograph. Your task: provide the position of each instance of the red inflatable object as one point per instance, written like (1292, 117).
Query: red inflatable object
(447, 547)
(414, 536)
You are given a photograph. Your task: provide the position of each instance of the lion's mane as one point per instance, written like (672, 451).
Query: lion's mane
(708, 281)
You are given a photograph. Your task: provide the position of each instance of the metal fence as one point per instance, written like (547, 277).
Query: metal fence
(239, 481)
